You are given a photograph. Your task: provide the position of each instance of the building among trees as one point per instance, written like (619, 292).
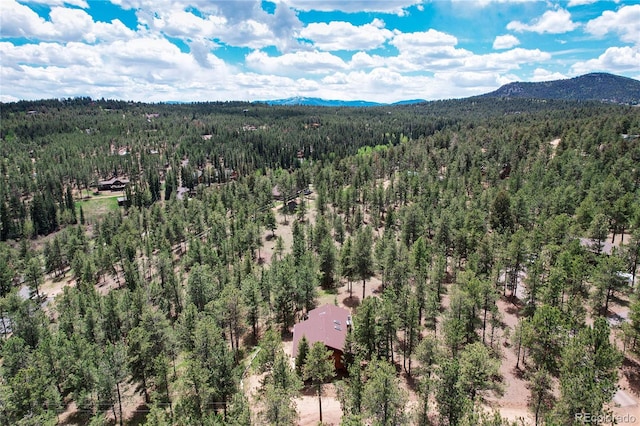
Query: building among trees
(327, 324)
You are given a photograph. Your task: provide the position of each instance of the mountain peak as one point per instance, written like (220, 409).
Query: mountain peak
(602, 87)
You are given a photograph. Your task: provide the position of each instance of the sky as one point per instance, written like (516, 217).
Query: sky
(247, 50)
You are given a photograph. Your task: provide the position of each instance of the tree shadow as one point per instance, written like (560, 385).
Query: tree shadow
(631, 370)
(79, 417)
(249, 341)
(330, 289)
(351, 302)
(412, 382)
(519, 373)
(308, 389)
(139, 415)
(286, 335)
(618, 301)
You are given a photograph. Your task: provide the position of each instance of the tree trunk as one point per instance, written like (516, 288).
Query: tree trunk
(364, 283)
(518, 354)
(144, 388)
(404, 352)
(113, 411)
(606, 301)
(484, 320)
(320, 400)
(254, 327)
(119, 402)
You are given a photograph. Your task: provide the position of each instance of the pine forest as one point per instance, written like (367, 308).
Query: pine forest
(159, 261)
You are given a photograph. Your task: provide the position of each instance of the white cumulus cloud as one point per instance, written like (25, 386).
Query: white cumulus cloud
(363, 60)
(540, 74)
(430, 38)
(302, 62)
(625, 22)
(573, 3)
(340, 35)
(64, 25)
(613, 60)
(396, 6)
(506, 41)
(79, 3)
(551, 22)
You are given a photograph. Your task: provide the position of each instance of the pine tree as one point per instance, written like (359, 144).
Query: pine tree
(301, 357)
(327, 257)
(363, 261)
(589, 373)
(318, 368)
(383, 398)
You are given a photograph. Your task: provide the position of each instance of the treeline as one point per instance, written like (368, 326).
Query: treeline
(455, 205)
(50, 146)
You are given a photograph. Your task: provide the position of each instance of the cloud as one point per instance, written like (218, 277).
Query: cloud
(551, 22)
(340, 35)
(426, 51)
(17, 20)
(65, 25)
(302, 62)
(241, 24)
(362, 60)
(397, 7)
(540, 74)
(146, 68)
(506, 41)
(615, 60)
(625, 22)
(79, 3)
(505, 61)
(430, 38)
(573, 3)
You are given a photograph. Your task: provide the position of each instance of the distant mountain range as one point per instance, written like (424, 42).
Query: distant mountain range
(589, 87)
(299, 100)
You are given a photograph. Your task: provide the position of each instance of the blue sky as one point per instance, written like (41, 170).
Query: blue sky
(385, 51)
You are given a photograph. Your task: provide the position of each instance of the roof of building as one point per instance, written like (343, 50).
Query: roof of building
(114, 180)
(327, 324)
(591, 244)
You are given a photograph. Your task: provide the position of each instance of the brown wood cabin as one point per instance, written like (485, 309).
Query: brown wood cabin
(113, 184)
(327, 324)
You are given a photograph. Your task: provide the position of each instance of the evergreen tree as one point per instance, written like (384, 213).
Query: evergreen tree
(34, 276)
(500, 217)
(383, 399)
(301, 358)
(327, 259)
(588, 375)
(363, 261)
(541, 397)
(347, 264)
(318, 368)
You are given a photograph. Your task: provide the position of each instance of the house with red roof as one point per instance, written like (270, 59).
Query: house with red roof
(327, 324)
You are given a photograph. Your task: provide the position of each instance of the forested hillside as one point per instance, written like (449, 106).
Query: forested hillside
(487, 250)
(589, 87)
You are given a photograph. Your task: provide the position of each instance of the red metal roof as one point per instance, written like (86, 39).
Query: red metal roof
(327, 324)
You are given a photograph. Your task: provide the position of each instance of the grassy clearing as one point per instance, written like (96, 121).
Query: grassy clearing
(95, 208)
